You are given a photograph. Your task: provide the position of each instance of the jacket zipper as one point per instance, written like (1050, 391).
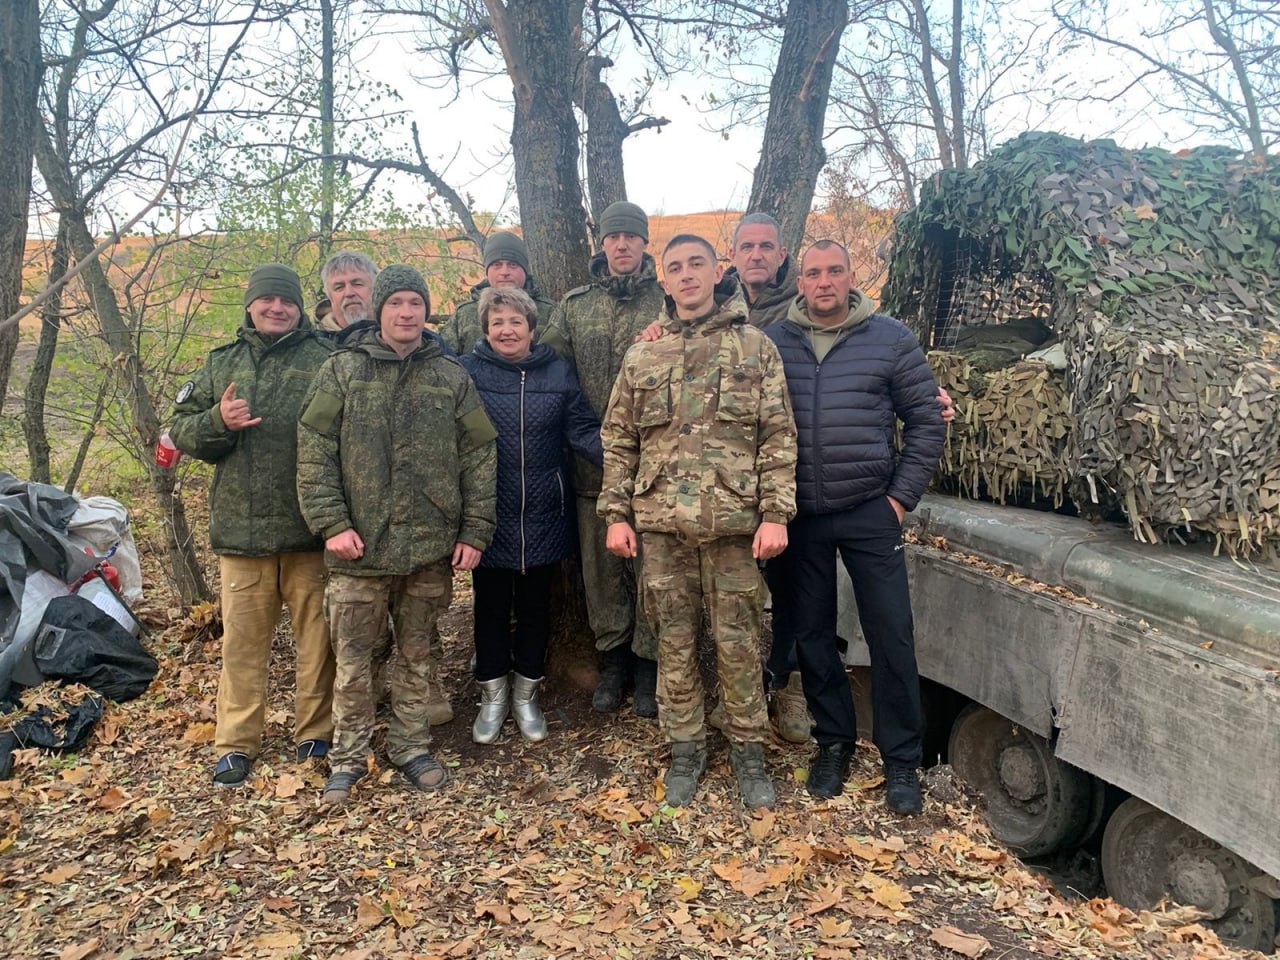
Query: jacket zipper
(522, 482)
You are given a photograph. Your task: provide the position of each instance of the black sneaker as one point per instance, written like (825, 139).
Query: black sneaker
(232, 769)
(830, 769)
(902, 790)
(615, 678)
(644, 701)
(312, 748)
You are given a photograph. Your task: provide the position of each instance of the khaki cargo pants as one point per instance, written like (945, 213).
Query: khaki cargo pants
(358, 609)
(253, 588)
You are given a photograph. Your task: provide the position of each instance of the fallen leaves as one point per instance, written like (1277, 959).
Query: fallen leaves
(965, 944)
(61, 874)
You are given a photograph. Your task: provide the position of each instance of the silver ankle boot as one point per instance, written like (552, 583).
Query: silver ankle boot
(493, 710)
(524, 705)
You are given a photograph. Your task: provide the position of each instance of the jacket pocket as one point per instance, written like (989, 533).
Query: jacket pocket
(653, 399)
(739, 393)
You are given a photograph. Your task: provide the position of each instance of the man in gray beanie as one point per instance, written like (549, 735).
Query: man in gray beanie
(506, 264)
(239, 411)
(598, 322)
(396, 471)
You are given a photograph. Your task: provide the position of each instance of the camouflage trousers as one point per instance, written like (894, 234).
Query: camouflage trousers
(615, 607)
(358, 609)
(678, 577)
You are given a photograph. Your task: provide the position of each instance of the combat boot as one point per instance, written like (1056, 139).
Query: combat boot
(747, 761)
(791, 713)
(493, 710)
(524, 707)
(644, 701)
(688, 760)
(615, 677)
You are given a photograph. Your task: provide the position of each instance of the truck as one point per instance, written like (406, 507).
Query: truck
(1088, 685)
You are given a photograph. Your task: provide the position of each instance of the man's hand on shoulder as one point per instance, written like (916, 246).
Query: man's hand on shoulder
(620, 539)
(650, 333)
(346, 545)
(770, 540)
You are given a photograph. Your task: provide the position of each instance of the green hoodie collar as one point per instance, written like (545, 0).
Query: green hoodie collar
(860, 307)
(622, 288)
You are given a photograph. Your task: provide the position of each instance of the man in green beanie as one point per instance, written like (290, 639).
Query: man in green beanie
(598, 322)
(506, 264)
(396, 472)
(239, 412)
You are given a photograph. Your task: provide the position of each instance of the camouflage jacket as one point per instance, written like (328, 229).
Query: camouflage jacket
(462, 331)
(400, 450)
(699, 438)
(598, 323)
(253, 502)
(775, 299)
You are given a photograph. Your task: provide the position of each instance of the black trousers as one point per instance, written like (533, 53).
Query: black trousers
(496, 594)
(782, 652)
(868, 540)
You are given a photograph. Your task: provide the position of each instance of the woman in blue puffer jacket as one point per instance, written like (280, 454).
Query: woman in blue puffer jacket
(537, 406)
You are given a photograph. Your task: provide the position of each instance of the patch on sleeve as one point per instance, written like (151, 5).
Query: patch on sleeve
(478, 429)
(322, 411)
(184, 391)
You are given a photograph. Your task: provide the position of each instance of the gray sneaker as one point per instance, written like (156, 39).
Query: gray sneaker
(747, 761)
(688, 760)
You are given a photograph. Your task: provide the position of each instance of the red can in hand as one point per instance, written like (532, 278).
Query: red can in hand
(166, 453)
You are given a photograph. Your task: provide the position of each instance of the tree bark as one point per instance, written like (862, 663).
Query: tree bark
(792, 155)
(38, 383)
(536, 37)
(606, 180)
(20, 70)
(327, 164)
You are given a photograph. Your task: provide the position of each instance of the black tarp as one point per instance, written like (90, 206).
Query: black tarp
(78, 643)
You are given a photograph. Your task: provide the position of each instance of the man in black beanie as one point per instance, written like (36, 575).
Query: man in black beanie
(240, 412)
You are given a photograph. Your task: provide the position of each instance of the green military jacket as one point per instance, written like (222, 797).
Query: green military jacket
(402, 451)
(699, 438)
(774, 301)
(462, 331)
(598, 324)
(253, 502)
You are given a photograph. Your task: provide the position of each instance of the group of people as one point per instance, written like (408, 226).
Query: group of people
(360, 462)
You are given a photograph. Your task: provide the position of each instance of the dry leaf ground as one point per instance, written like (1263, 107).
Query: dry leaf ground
(563, 849)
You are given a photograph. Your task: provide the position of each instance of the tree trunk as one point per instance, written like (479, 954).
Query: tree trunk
(536, 37)
(606, 181)
(38, 383)
(792, 155)
(184, 566)
(327, 163)
(20, 70)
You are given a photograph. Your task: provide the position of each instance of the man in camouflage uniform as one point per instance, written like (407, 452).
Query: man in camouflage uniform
(598, 323)
(506, 264)
(239, 412)
(396, 470)
(700, 449)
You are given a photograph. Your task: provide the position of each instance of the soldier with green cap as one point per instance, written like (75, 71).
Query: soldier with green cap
(396, 471)
(598, 323)
(506, 264)
(239, 412)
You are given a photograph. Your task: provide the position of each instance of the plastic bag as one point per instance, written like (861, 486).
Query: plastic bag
(102, 523)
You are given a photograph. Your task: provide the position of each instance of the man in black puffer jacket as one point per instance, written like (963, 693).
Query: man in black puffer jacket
(852, 373)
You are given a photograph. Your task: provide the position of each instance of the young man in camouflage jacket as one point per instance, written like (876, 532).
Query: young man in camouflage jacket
(699, 459)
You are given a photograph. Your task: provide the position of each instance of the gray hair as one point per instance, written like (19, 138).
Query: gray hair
(491, 297)
(345, 261)
(751, 219)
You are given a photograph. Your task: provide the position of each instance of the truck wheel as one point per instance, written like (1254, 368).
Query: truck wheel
(1036, 803)
(1147, 856)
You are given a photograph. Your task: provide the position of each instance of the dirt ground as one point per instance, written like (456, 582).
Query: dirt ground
(559, 849)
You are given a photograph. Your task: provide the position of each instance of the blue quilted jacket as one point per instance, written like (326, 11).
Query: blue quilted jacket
(537, 407)
(846, 407)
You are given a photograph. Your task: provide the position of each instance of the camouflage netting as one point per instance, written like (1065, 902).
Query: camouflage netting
(1159, 274)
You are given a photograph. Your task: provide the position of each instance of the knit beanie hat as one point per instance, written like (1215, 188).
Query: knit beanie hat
(624, 217)
(393, 279)
(274, 280)
(505, 246)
